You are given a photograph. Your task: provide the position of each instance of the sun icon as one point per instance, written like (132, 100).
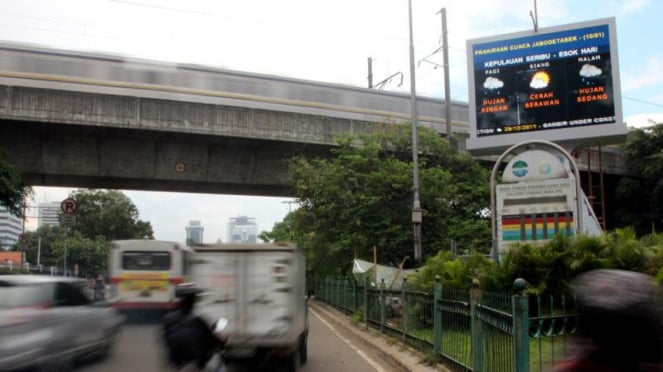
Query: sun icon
(540, 80)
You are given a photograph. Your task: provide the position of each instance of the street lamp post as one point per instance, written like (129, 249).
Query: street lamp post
(290, 202)
(416, 205)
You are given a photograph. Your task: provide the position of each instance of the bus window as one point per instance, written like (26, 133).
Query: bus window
(144, 260)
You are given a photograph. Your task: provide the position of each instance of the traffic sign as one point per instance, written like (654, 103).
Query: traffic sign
(68, 206)
(68, 219)
(22, 241)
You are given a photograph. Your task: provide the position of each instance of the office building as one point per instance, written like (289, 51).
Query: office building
(242, 229)
(194, 233)
(48, 214)
(10, 228)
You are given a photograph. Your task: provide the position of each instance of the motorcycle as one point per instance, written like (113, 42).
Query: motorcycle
(217, 363)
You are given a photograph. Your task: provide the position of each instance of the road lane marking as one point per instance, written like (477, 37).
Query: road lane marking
(370, 361)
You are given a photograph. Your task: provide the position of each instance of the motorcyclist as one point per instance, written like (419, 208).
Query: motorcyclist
(189, 340)
(621, 323)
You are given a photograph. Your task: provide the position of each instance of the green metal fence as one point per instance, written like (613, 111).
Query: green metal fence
(467, 330)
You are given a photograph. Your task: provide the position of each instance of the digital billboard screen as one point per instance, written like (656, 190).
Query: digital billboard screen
(559, 84)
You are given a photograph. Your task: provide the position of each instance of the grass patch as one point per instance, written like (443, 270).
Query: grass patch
(356, 318)
(432, 358)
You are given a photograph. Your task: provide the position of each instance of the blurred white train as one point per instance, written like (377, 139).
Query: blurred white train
(39, 67)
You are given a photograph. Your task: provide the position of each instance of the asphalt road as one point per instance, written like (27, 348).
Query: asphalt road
(329, 349)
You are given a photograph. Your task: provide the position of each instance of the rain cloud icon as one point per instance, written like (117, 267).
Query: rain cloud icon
(493, 83)
(590, 71)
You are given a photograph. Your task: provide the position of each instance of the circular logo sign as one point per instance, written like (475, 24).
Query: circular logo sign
(545, 168)
(180, 167)
(519, 168)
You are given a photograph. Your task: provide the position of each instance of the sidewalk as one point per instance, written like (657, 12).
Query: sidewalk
(400, 356)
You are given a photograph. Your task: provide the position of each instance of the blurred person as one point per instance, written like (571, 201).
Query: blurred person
(621, 323)
(189, 340)
(100, 289)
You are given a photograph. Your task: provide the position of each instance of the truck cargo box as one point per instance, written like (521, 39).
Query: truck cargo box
(260, 290)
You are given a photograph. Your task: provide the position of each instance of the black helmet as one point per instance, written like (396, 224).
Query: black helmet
(187, 290)
(619, 291)
(620, 313)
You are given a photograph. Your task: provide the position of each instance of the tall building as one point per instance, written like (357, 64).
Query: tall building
(48, 214)
(194, 232)
(10, 228)
(242, 229)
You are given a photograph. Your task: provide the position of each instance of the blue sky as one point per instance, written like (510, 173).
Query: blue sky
(320, 40)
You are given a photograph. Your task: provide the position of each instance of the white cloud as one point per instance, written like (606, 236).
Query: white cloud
(644, 120)
(493, 83)
(632, 6)
(538, 82)
(647, 74)
(590, 71)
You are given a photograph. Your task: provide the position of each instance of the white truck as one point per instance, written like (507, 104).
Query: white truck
(260, 290)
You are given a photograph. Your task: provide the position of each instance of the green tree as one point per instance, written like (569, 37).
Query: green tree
(110, 214)
(13, 191)
(101, 216)
(641, 195)
(89, 255)
(458, 273)
(281, 231)
(39, 247)
(361, 197)
(47, 246)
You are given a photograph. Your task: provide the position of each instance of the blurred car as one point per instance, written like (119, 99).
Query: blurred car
(48, 323)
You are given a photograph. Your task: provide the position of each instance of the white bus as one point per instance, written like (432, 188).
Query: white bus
(144, 273)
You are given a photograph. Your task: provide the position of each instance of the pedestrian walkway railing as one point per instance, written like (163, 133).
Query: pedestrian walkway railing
(466, 330)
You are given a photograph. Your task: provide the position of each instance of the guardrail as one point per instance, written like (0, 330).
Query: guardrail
(11, 267)
(466, 330)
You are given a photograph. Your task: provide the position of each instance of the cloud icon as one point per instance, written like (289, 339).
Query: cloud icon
(493, 83)
(589, 71)
(540, 80)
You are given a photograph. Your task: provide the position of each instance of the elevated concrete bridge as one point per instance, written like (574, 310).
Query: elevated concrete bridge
(87, 120)
(102, 121)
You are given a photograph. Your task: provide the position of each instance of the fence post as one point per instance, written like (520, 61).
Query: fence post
(366, 281)
(520, 309)
(354, 296)
(475, 326)
(329, 295)
(383, 306)
(327, 281)
(437, 315)
(345, 295)
(339, 293)
(404, 317)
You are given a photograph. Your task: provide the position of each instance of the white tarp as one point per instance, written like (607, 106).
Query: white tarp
(393, 276)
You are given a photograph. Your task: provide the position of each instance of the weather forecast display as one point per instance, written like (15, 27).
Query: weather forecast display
(544, 81)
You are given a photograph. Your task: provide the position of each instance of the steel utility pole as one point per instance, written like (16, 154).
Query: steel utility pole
(416, 206)
(370, 73)
(447, 94)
